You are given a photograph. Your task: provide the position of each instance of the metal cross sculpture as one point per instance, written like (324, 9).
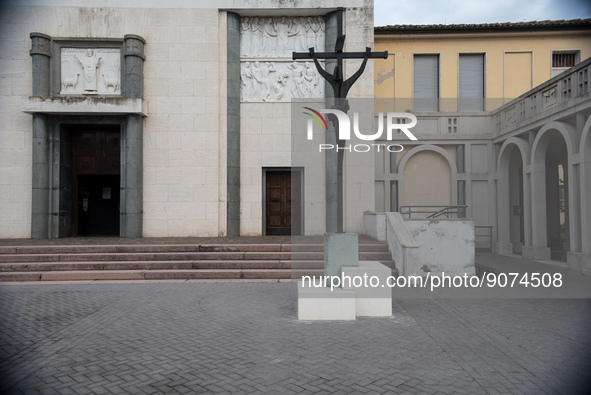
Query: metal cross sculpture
(341, 88)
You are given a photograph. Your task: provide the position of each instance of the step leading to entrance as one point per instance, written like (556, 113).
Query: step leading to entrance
(108, 262)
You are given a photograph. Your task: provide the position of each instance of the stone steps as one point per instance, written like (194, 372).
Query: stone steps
(170, 262)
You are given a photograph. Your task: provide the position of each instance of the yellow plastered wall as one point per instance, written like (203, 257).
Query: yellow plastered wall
(514, 62)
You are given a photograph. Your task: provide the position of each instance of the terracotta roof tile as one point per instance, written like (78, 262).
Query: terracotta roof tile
(510, 26)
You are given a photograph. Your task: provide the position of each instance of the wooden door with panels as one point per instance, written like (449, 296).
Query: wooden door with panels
(283, 202)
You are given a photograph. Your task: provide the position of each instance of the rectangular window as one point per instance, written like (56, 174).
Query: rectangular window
(471, 82)
(563, 60)
(426, 83)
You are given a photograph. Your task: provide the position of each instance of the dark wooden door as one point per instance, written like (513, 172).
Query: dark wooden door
(96, 173)
(283, 203)
(97, 151)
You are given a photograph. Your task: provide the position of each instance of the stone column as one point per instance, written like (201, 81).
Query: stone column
(330, 156)
(40, 197)
(233, 127)
(132, 174)
(133, 53)
(41, 54)
(132, 187)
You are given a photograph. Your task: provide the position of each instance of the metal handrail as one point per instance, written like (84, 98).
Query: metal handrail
(489, 236)
(435, 211)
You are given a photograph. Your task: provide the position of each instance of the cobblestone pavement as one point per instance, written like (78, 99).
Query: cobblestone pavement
(197, 337)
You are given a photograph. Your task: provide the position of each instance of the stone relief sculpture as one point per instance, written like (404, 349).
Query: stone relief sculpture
(257, 81)
(300, 89)
(244, 42)
(279, 81)
(269, 35)
(312, 79)
(279, 36)
(267, 72)
(90, 64)
(278, 87)
(112, 82)
(246, 87)
(70, 82)
(90, 71)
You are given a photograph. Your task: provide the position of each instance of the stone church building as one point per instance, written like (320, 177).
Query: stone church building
(176, 119)
(164, 120)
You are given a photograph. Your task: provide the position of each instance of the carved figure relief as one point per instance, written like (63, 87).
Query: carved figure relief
(263, 39)
(278, 87)
(90, 64)
(279, 81)
(70, 82)
(280, 36)
(90, 71)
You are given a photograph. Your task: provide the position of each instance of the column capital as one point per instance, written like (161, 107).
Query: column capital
(134, 46)
(40, 44)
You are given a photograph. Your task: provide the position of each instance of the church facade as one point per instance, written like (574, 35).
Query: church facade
(165, 120)
(178, 120)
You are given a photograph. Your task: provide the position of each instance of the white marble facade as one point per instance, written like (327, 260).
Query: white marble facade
(90, 71)
(185, 102)
(267, 72)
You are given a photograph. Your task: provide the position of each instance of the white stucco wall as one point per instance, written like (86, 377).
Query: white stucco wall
(446, 246)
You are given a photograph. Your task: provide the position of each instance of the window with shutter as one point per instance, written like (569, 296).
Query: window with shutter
(471, 82)
(563, 60)
(426, 83)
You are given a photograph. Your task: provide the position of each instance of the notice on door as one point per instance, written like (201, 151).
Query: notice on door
(106, 193)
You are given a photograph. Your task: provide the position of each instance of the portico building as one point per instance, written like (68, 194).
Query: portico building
(503, 116)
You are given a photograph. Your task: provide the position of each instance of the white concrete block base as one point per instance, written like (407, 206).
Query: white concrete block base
(357, 298)
(322, 304)
(370, 301)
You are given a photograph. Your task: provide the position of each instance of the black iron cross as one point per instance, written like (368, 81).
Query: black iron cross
(341, 88)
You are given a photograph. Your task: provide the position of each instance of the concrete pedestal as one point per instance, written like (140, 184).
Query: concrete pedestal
(370, 301)
(364, 293)
(340, 249)
(316, 304)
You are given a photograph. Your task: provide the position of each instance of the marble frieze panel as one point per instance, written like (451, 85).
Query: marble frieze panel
(267, 72)
(279, 81)
(90, 71)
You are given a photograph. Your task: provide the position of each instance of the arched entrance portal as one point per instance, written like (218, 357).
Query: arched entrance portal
(550, 189)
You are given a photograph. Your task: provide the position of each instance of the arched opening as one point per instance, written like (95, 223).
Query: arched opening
(435, 189)
(516, 208)
(557, 207)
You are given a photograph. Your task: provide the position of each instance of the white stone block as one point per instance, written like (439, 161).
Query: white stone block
(371, 301)
(322, 304)
(180, 16)
(21, 229)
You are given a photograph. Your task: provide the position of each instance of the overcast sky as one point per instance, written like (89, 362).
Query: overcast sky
(434, 12)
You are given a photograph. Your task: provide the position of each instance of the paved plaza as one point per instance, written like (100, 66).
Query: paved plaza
(243, 337)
